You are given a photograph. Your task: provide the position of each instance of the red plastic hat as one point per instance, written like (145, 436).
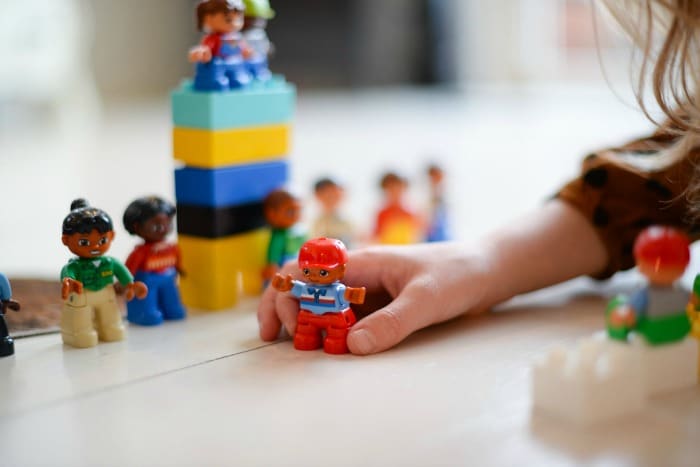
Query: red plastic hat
(666, 245)
(323, 252)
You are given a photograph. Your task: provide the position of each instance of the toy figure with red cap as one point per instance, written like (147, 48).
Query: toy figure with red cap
(658, 311)
(324, 301)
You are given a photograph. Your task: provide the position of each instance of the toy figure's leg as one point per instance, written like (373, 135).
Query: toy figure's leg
(307, 335)
(258, 67)
(169, 296)
(237, 75)
(146, 311)
(77, 321)
(211, 76)
(7, 345)
(338, 326)
(108, 318)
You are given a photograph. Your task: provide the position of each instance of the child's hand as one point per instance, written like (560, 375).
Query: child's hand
(408, 288)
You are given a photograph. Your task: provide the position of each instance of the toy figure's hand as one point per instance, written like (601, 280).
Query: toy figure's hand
(200, 53)
(408, 288)
(136, 289)
(70, 286)
(181, 272)
(247, 52)
(355, 295)
(282, 283)
(9, 304)
(269, 271)
(622, 316)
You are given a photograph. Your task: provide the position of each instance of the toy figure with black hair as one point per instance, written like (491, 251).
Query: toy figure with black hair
(90, 310)
(156, 262)
(221, 56)
(324, 301)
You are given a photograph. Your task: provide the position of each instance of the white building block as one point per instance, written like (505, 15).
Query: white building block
(598, 380)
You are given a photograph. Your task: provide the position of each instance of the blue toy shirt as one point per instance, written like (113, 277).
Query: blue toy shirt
(320, 299)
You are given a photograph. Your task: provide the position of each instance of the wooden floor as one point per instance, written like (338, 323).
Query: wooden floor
(206, 391)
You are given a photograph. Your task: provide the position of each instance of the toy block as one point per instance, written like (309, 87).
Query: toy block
(597, 381)
(207, 222)
(260, 104)
(218, 148)
(228, 186)
(217, 269)
(668, 367)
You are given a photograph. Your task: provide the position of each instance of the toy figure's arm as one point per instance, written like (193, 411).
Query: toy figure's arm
(69, 282)
(178, 262)
(6, 296)
(137, 289)
(620, 317)
(355, 295)
(135, 260)
(206, 50)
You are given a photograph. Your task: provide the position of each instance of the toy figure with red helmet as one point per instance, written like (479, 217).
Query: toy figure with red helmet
(324, 301)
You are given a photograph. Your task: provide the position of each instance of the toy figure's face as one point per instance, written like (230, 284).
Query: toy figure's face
(323, 275)
(284, 215)
(436, 177)
(92, 245)
(666, 275)
(330, 197)
(222, 23)
(155, 229)
(394, 191)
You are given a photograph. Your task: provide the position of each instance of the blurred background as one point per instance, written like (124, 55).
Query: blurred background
(506, 95)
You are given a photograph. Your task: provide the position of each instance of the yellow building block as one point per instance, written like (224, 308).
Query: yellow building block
(218, 270)
(217, 148)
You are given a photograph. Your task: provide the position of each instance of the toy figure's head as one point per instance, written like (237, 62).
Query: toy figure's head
(662, 254)
(282, 209)
(151, 218)
(220, 16)
(322, 260)
(435, 175)
(87, 232)
(329, 194)
(394, 186)
(257, 13)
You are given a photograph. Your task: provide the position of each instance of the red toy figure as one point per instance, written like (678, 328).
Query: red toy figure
(324, 301)
(220, 56)
(395, 223)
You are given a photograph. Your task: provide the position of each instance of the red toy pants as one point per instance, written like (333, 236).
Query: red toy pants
(308, 335)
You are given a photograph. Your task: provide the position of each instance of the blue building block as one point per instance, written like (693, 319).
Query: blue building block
(228, 186)
(259, 104)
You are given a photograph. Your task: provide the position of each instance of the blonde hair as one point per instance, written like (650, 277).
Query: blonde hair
(667, 33)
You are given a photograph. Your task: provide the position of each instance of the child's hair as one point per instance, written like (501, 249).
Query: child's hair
(325, 182)
(667, 32)
(142, 209)
(84, 219)
(212, 7)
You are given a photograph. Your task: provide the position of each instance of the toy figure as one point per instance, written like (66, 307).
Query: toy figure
(324, 301)
(257, 14)
(156, 262)
(282, 212)
(438, 230)
(657, 312)
(7, 344)
(395, 223)
(90, 307)
(220, 57)
(330, 194)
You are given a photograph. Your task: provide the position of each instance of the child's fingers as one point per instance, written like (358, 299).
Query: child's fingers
(268, 321)
(413, 309)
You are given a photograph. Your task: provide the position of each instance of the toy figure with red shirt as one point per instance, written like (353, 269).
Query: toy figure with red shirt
(221, 56)
(324, 301)
(156, 262)
(396, 224)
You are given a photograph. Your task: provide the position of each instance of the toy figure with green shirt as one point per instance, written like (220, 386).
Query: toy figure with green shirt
(282, 212)
(90, 311)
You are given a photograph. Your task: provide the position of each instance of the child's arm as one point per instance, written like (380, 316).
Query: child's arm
(415, 286)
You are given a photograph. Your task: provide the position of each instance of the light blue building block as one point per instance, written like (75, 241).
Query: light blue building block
(260, 104)
(229, 186)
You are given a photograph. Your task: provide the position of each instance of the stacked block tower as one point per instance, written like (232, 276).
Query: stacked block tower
(234, 147)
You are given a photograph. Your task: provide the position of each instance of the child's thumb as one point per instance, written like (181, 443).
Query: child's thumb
(390, 325)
